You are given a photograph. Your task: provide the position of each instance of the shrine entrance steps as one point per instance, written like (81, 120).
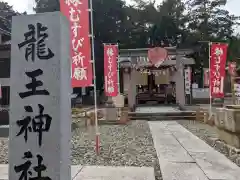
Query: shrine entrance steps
(159, 113)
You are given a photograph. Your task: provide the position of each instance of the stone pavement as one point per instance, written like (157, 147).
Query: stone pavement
(101, 173)
(183, 156)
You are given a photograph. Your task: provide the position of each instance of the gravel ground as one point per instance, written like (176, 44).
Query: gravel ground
(3, 150)
(208, 134)
(121, 145)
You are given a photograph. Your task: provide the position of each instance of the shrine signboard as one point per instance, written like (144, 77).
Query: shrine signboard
(187, 80)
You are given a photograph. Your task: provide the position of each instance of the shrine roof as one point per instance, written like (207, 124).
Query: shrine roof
(130, 61)
(144, 51)
(128, 57)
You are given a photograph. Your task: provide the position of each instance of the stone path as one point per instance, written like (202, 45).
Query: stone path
(101, 173)
(183, 156)
(156, 109)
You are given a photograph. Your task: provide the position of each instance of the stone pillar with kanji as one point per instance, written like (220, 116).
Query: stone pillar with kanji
(40, 107)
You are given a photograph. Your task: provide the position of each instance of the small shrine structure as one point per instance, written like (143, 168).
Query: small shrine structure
(141, 82)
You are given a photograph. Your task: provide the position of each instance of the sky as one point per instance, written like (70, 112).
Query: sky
(22, 5)
(27, 5)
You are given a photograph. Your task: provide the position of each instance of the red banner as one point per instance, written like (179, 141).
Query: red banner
(110, 70)
(206, 77)
(232, 68)
(217, 69)
(78, 14)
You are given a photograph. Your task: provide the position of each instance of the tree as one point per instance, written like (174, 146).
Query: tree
(234, 50)
(6, 13)
(145, 25)
(210, 21)
(170, 23)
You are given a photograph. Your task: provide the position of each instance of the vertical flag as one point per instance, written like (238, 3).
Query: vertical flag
(217, 69)
(77, 13)
(110, 70)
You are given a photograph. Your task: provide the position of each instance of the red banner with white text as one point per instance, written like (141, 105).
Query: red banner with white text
(110, 70)
(77, 12)
(217, 69)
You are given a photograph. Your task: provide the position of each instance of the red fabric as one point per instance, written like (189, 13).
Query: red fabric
(77, 12)
(217, 69)
(110, 70)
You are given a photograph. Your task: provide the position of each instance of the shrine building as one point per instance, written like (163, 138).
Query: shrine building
(141, 82)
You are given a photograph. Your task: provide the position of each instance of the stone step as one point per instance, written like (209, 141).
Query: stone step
(191, 115)
(177, 113)
(161, 118)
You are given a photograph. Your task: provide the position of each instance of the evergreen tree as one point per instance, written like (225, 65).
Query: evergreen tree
(209, 20)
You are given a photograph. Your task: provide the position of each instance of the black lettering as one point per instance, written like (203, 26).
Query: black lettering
(25, 168)
(35, 39)
(33, 85)
(38, 124)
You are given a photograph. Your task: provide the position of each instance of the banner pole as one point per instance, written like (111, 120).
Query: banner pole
(97, 140)
(118, 77)
(233, 91)
(118, 69)
(210, 96)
